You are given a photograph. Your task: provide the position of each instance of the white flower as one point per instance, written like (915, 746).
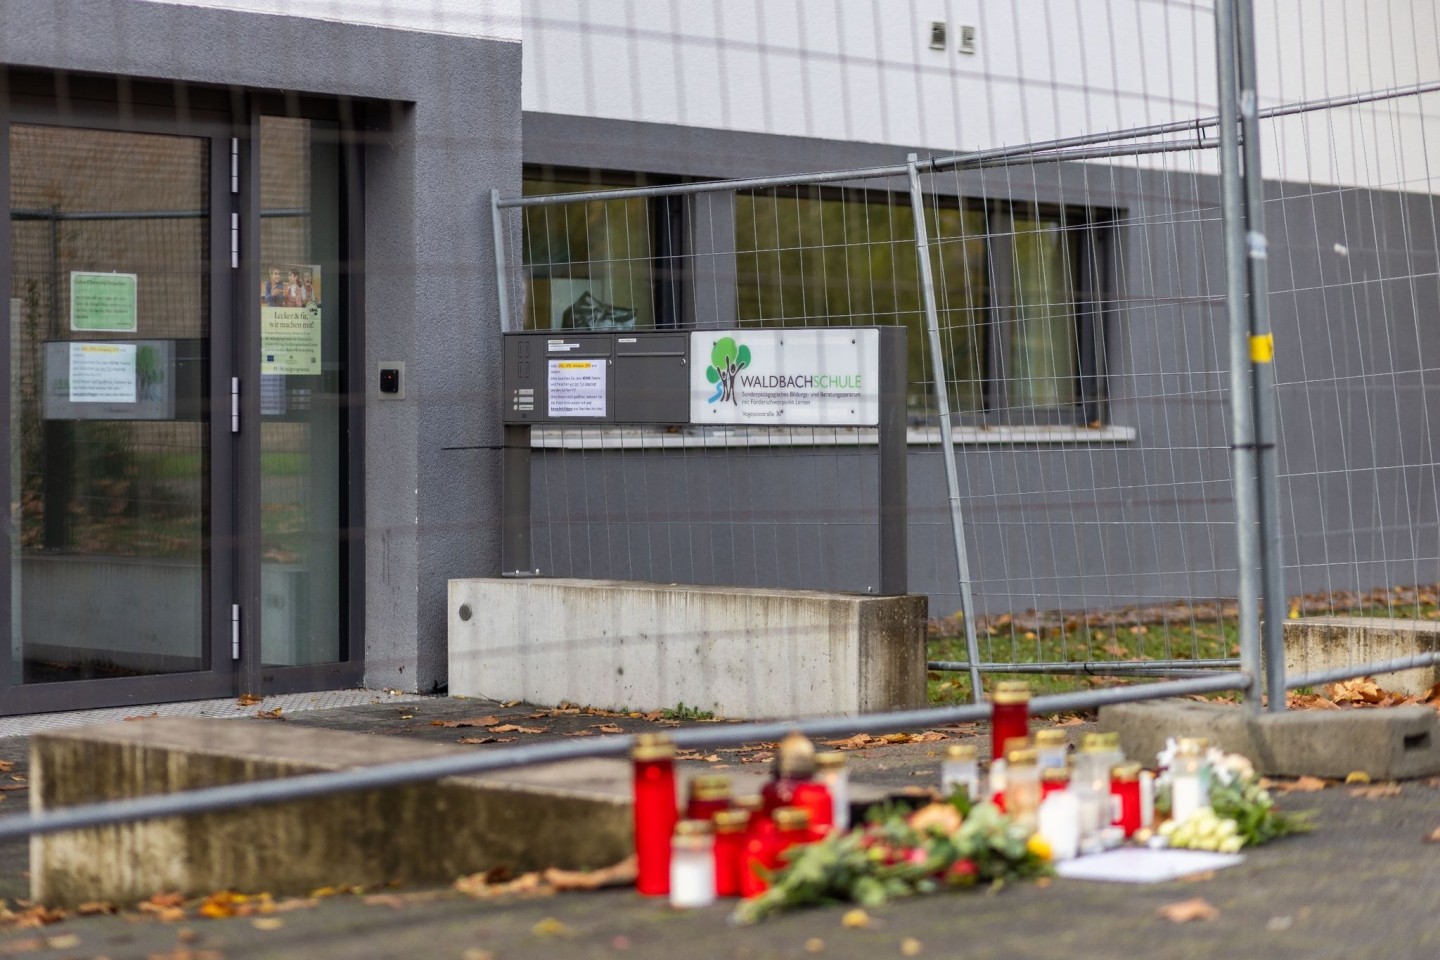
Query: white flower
(1227, 767)
(1232, 844)
(1165, 757)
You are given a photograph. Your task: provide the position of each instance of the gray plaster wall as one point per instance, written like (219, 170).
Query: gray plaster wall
(1075, 524)
(442, 114)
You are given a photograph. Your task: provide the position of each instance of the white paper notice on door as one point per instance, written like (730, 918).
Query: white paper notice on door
(576, 388)
(102, 373)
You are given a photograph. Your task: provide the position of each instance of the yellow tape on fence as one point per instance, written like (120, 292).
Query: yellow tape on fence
(1262, 348)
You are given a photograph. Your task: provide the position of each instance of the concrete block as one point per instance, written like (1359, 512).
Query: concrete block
(574, 816)
(1391, 744)
(1324, 643)
(738, 652)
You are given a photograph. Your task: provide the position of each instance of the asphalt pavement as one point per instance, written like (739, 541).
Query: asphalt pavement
(1365, 883)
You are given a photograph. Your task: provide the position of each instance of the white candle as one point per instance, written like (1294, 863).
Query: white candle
(1059, 824)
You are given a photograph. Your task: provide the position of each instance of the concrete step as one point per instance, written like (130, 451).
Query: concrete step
(1394, 743)
(575, 815)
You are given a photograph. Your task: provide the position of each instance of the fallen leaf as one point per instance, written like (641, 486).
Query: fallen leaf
(269, 714)
(578, 733)
(516, 728)
(1302, 785)
(485, 740)
(697, 756)
(1310, 701)
(814, 945)
(1377, 791)
(758, 758)
(267, 923)
(619, 874)
(166, 907)
(28, 945)
(475, 953)
(291, 904)
(1184, 911)
(1357, 776)
(142, 716)
(1433, 836)
(472, 722)
(225, 903)
(6, 766)
(249, 699)
(509, 703)
(910, 947)
(1361, 690)
(30, 917)
(857, 919)
(185, 953)
(66, 941)
(481, 885)
(96, 908)
(609, 728)
(550, 927)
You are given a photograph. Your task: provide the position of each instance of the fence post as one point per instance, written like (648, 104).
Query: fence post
(947, 434)
(1262, 351)
(502, 282)
(1242, 411)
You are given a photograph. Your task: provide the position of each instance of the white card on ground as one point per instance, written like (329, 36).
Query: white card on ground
(1144, 866)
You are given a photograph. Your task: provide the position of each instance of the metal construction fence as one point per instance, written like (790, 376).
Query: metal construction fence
(1145, 399)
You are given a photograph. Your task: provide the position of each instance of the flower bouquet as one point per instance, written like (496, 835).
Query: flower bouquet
(899, 853)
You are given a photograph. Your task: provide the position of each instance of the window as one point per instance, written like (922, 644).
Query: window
(601, 264)
(1018, 287)
(1013, 290)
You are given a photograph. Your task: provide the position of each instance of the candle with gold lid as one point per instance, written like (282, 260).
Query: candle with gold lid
(692, 864)
(960, 770)
(709, 794)
(1009, 714)
(655, 811)
(831, 771)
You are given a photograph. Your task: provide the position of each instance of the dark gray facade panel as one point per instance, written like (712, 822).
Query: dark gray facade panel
(443, 117)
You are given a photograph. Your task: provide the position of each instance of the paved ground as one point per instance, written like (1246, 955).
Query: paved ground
(1365, 884)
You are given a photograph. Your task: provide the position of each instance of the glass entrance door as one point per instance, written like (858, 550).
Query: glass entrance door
(118, 489)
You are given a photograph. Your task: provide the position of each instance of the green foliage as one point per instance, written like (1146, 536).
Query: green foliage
(894, 855)
(682, 712)
(1252, 808)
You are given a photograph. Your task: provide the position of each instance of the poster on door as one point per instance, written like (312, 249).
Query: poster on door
(290, 319)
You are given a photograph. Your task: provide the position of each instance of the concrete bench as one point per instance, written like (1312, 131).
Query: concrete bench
(574, 815)
(742, 653)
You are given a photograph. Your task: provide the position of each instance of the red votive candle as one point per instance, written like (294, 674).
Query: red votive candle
(760, 854)
(656, 812)
(1125, 788)
(794, 829)
(709, 794)
(1009, 715)
(1053, 780)
(729, 851)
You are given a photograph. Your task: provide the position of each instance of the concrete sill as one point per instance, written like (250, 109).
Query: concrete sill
(657, 438)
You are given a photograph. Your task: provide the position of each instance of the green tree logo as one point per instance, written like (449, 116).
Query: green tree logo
(727, 359)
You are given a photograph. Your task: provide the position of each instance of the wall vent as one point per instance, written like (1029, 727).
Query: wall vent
(938, 34)
(968, 36)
